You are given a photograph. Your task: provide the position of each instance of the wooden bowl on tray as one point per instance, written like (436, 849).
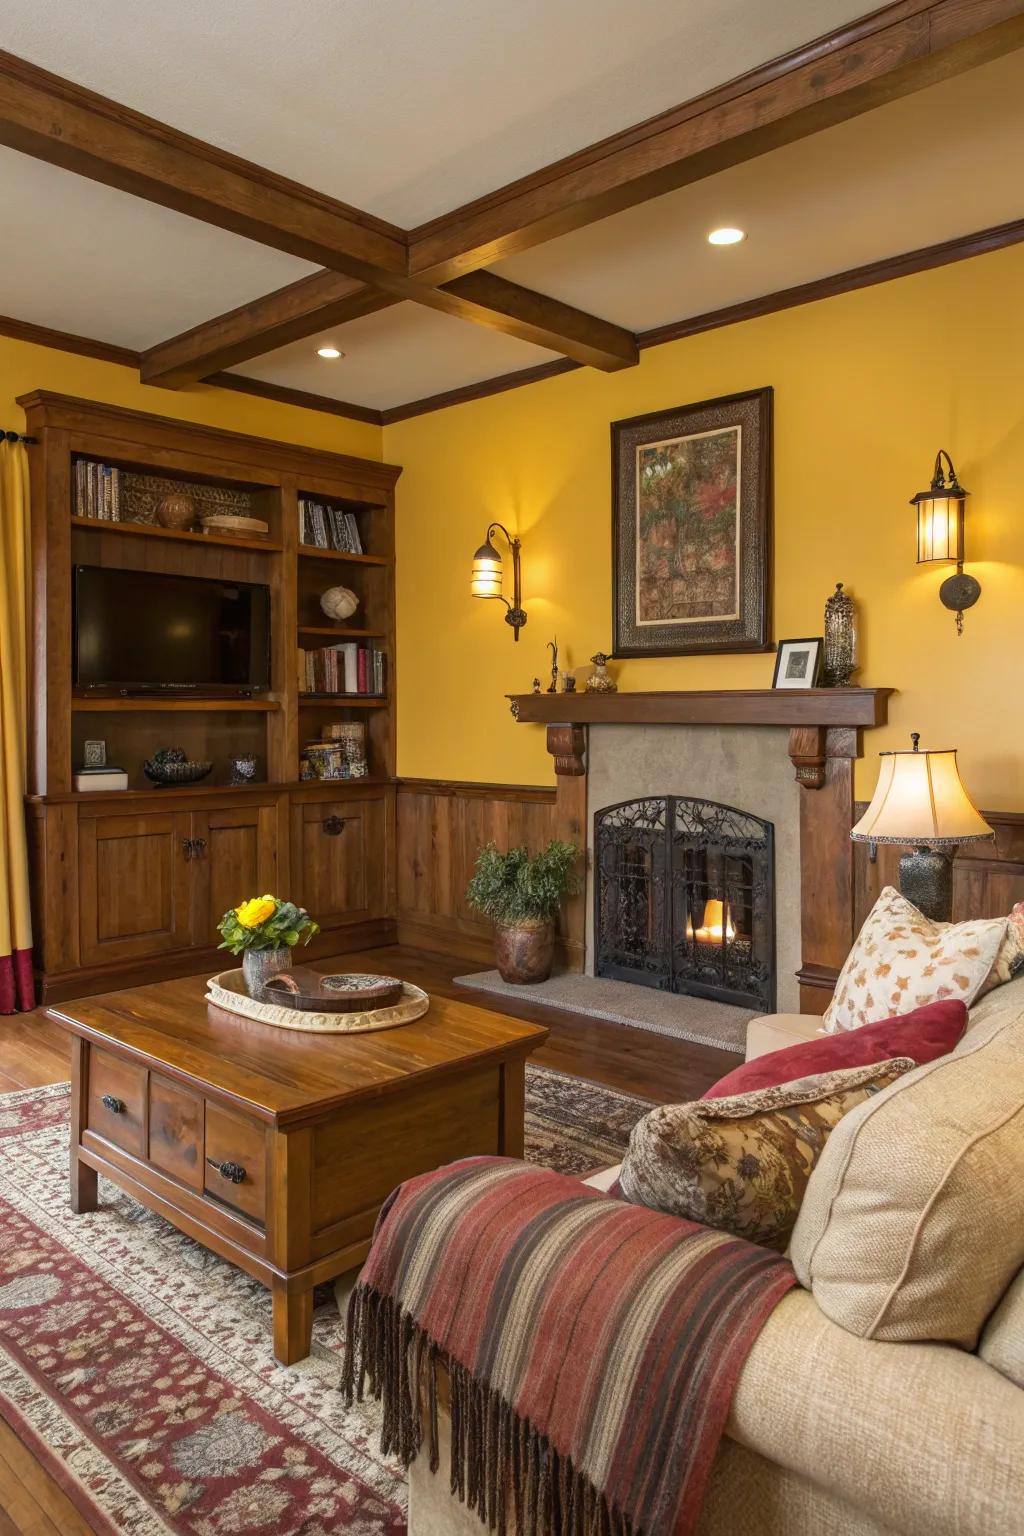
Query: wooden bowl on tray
(341, 992)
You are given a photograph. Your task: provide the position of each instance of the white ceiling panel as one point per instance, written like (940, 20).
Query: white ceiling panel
(84, 258)
(396, 355)
(401, 107)
(910, 174)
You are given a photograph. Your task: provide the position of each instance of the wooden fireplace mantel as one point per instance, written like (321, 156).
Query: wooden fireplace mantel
(825, 726)
(739, 706)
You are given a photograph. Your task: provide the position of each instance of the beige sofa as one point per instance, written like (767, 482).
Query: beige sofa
(832, 1434)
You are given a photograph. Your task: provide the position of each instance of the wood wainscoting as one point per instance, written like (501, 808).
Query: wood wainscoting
(442, 825)
(988, 878)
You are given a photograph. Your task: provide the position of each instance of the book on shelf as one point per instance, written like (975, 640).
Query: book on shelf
(342, 669)
(325, 527)
(96, 779)
(97, 491)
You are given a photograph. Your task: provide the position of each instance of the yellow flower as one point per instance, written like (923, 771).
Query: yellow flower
(255, 911)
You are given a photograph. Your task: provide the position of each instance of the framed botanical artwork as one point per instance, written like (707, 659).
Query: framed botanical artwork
(691, 528)
(798, 663)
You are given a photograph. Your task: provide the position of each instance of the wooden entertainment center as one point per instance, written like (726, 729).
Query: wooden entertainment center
(129, 885)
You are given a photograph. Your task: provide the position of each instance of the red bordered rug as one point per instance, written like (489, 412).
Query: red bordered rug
(137, 1366)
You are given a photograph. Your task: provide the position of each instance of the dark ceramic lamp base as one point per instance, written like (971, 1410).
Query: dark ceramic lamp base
(926, 879)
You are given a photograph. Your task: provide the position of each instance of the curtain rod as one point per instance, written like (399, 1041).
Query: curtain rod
(16, 437)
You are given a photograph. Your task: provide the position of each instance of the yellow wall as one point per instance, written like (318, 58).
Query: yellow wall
(25, 366)
(867, 387)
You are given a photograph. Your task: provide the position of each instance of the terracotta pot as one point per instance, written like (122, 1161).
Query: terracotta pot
(524, 952)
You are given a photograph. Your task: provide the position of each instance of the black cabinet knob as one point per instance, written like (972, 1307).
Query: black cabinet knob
(233, 1172)
(116, 1106)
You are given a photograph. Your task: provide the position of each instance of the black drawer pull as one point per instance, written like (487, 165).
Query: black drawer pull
(332, 825)
(116, 1106)
(233, 1172)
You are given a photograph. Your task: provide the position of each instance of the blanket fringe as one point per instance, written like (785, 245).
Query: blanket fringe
(494, 1452)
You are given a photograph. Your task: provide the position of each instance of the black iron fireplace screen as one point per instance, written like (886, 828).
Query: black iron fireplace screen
(684, 899)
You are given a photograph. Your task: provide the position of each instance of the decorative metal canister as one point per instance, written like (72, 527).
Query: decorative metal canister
(840, 652)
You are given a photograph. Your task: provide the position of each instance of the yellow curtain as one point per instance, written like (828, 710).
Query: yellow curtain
(16, 985)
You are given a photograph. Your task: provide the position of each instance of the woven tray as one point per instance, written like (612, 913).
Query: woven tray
(228, 990)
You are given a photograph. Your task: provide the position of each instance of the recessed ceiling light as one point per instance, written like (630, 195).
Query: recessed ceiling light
(328, 352)
(726, 236)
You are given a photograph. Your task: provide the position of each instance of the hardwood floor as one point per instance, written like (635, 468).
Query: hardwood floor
(33, 1052)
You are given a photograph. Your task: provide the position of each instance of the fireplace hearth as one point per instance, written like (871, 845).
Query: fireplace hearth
(684, 899)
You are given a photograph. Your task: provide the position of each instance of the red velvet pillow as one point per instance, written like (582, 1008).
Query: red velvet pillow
(923, 1035)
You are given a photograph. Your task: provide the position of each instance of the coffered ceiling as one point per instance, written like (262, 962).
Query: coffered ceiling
(408, 111)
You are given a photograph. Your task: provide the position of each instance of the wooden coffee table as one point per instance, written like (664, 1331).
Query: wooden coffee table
(277, 1149)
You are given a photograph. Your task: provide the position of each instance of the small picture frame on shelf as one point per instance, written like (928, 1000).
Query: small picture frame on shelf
(798, 663)
(94, 754)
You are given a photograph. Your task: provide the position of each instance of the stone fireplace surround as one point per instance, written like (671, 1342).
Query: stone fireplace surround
(783, 754)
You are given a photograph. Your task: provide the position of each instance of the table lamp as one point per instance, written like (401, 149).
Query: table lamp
(920, 800)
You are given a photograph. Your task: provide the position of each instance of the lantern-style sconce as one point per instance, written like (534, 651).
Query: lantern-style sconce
(486, 578)
(940, 535)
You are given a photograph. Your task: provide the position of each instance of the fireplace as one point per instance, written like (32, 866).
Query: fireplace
(684, 899)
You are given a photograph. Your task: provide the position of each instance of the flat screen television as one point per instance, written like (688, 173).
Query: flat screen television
(138, 632)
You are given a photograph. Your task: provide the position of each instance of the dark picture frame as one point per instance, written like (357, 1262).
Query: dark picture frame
(798, 663)
(692, 528)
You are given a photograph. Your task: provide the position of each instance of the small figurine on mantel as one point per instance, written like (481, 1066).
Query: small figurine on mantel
(840, 648)
(601, 680)
(553, 648)
(536, 685)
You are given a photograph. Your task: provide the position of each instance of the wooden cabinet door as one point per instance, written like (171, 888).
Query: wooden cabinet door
(339, 853)
(134, 886)
(234, 857)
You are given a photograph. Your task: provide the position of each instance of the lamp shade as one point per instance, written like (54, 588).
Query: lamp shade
(940, 526)
(920, 799)
(486, 578)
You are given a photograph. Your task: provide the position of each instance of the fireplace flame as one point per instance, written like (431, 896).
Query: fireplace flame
(717, 917)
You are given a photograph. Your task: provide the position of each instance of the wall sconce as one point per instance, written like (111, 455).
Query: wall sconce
(486, 578)
(940, 535)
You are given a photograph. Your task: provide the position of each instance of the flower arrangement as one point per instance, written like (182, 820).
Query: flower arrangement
(265, 922)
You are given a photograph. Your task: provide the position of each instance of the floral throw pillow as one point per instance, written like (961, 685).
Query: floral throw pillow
(903, 960)
(742, 1164)
(1010, 957)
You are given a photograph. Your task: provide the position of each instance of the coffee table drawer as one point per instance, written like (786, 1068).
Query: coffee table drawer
(176, 1132)
(117, 1101)
(236, 1161)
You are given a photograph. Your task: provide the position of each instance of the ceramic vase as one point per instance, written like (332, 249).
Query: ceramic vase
(524, 952)
(258, 965)
(601, 680)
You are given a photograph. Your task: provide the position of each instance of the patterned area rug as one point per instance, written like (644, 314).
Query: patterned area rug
(137, 1366)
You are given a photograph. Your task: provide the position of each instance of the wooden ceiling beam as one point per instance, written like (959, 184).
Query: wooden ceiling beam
(892, 53)
(62, 123)
(290, 314)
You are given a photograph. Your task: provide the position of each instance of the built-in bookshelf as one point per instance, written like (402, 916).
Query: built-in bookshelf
(100, 474)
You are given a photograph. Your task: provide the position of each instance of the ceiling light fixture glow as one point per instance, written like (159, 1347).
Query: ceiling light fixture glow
(726, 236)
(328, 352)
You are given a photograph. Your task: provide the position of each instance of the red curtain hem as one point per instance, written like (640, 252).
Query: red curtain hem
(17, 985)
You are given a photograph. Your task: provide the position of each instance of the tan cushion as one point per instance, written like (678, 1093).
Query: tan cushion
(1002, 1343)
(1009, 961)
(741, 1164)
(902, 960)
(774, 1031)
(912, 1226)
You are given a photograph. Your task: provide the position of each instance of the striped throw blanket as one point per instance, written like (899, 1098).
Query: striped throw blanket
(592, 1347)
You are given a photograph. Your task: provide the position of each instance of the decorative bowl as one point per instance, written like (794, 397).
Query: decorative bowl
(349, 992)
(164, 773)
(234, 526)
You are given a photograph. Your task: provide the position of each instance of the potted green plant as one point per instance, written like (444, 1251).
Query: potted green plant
(263, 930)
(520, 892)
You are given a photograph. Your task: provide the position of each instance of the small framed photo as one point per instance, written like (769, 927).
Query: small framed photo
(94, 754)
(798, 663)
